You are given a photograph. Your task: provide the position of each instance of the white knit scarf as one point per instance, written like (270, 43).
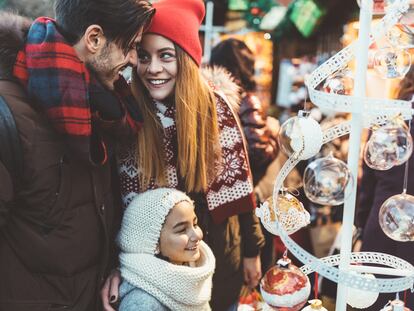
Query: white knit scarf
(177, 287)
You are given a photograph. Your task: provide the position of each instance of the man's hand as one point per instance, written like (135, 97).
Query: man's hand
(252, 271)
(110, 290)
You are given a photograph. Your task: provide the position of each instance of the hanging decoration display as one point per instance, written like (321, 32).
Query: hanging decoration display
(396, 217)
(325, 180)
(375, 112)
(285, 287)
(300, 135)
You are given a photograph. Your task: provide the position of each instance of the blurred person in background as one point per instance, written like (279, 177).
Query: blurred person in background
(259, 129)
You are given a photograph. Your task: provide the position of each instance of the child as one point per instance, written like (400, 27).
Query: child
(164, 263)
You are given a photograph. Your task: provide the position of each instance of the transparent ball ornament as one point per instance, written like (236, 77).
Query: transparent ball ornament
(395, 305)
(388, 146)
(341, 82)
(325, 180)
(396, 217)
(300, 135)
(392, 63)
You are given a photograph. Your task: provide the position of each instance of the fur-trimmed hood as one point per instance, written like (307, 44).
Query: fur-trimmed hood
(224, 84)
(13, 30)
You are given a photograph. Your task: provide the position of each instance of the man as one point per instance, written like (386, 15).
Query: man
(61, 81)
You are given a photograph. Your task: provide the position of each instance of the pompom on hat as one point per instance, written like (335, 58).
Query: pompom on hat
(144, 217)
(179, 21)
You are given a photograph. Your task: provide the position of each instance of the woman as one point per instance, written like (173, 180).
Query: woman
(191, 141)
(164, 263)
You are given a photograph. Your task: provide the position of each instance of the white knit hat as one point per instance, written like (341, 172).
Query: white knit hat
(144, 217)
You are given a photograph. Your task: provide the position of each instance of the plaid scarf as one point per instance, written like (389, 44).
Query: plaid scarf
(64, 90)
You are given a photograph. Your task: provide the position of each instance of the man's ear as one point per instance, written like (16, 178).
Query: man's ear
(94, 38)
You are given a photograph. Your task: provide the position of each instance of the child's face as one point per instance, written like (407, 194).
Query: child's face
(180, 236)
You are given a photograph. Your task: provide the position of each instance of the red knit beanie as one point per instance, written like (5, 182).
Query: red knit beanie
(179, 21)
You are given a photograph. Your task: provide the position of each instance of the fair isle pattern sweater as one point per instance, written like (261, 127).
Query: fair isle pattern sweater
(231, 191)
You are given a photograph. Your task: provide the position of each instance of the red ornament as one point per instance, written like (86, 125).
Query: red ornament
(285, 287)
(255, 11)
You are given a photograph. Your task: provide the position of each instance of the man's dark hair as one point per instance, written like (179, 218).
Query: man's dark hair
(119, 19)
(238, 59)
(13, 30)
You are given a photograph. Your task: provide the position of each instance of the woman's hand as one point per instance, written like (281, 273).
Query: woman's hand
(110, 290)
(252, 271)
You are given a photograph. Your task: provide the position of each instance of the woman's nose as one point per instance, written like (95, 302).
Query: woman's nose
(154, 67)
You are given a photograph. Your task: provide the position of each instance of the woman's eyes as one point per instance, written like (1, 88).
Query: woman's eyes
(166, 55)
(144, 57)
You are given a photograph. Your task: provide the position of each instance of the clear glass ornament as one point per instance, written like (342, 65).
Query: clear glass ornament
(388, 146)
(285, 287)
(300, 135)
(341, 82)
(392, 63)
(325, 180)
(396, 217)
(395, 305)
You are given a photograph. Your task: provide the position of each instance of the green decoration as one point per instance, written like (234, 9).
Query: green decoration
(306, 15)
(238, 5)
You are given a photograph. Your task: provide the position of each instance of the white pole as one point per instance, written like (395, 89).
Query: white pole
(208, 32)
(365, 18)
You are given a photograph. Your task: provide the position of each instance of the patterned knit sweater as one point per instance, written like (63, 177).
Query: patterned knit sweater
(231, 191)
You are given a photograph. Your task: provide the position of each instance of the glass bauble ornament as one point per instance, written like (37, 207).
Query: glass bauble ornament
(396, 217)
(325, 180)
(300, 135)
(395, 305)
(341, 82)
(392, 63)
(290, 212)
(359, 299)
(389, 145)
(315, 304)
(285, 287)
